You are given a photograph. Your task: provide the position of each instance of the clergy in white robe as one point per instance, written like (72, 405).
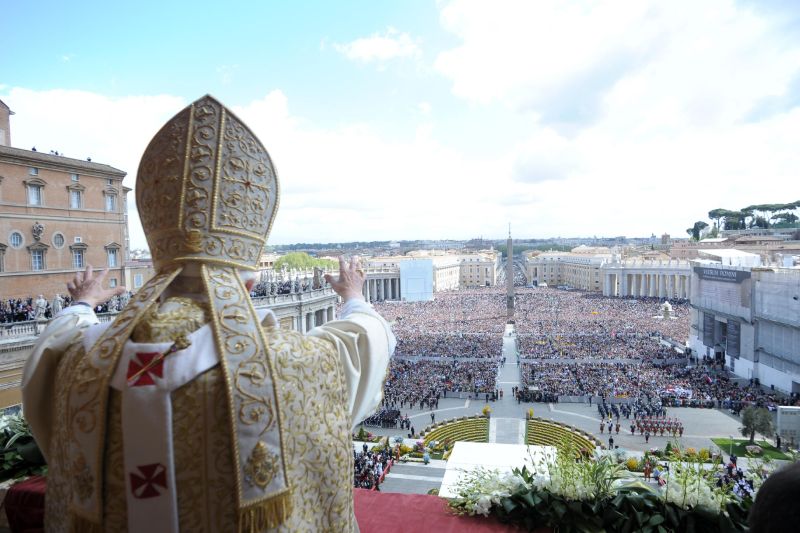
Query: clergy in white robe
(192, 410)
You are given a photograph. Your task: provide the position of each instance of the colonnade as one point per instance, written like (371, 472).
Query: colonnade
(380, 289)
(647, 284)
(316, 318)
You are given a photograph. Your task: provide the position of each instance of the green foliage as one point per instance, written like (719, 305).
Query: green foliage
(754, 216)
(694, 231)
(19, 454)
(756, 419)
(301, 260)
(633, 507)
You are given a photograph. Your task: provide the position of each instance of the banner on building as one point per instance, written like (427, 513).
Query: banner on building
(721, 274)
(734, 338)
(708, 329)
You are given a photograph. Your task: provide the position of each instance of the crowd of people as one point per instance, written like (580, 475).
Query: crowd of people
(594, 346)
(423, 383)
(467, 311)
(451, 345)
(38, 308)
(368, 467)
(552, 313)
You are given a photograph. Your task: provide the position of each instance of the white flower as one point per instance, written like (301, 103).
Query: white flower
(482, 505)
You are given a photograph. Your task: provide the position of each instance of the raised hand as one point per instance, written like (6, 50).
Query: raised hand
(88, 287)
(350, 280)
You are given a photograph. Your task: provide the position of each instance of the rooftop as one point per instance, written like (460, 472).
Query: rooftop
(28, 157)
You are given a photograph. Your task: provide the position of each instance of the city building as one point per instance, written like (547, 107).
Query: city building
(771, 246)
(444, 271)
(642, 278)
(579, 268)
(748, 317)
(479, 269)
(57, 215)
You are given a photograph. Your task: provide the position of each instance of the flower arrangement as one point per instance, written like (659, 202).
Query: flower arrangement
(486, 410)
(19, 454)
(571, 494)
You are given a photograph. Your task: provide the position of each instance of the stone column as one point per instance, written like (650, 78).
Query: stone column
(623, 284)
(330, 313)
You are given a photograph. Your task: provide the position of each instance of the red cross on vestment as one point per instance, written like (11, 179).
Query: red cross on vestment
(141, 360)
(144, 483)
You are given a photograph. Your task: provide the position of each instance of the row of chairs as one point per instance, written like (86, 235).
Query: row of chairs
(459, 429)
(550, 433)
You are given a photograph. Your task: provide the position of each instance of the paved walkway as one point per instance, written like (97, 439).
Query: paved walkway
(505, 429)
(414, 478)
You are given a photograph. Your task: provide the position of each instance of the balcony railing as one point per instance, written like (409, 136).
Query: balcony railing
(30, 329)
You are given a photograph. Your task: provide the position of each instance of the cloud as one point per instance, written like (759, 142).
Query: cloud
(577, 62)
(545, 156)
(380, 48)
(425, 108)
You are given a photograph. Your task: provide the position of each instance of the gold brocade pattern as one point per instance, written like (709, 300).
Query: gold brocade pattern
(317, 445)
(206, 189)
(165, 326)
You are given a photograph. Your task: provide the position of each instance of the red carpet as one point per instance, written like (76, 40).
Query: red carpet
(377, 512)
(381, 512)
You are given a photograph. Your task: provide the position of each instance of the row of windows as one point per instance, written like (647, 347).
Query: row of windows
(36, 198)
(16, 240)
(39, 256)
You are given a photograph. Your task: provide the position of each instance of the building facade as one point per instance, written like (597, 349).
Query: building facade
(647, 279)
(577, 270)
(479, 269)
(448, 271)
(57, 215)
(750, 319)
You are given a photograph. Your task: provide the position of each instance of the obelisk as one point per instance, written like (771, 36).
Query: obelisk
(509, 278)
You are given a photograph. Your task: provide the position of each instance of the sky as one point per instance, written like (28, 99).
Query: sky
(436, 119)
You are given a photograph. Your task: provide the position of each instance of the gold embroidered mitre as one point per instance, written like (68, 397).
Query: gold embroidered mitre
(206, 189)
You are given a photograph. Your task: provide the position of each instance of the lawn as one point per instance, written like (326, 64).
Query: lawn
(740, 451)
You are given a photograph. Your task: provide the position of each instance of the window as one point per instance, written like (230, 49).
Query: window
(110, 182)
(112, 282)
(33, 171)
(77, 259)
(58, 240)
(34, 194)
(137, 280)
(75, 199)
(2, 256)
(78, 240)
(74, 177)
(37, 259)
(112, 257)
(15, 239)
(111, 202)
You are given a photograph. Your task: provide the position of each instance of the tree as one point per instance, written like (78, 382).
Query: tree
(694, 231)
(717, 215)
(785, 218)
(756, 419)
(303, 261)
